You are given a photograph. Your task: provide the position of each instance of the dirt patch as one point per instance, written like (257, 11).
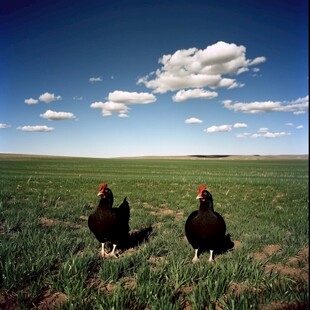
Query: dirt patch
(155, 261)
(267, 251)
(166, 212)
(147, 205)
(129, 283)
(109, 288)
(285, 306)
(287, 271)
(162, 212)
(179, 215)
(46, 221)
(91, 205)
(238, 288)
(272, 249)
(237, 244)
(49, 222)
(49, 300)
(8, 301)
(301, 259)
(96, 283)
(296, 267)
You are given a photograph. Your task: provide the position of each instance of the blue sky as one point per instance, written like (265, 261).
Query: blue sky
(137, 78)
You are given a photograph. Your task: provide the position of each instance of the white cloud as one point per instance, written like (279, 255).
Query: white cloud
(48, 97)
(95, 79)
(300, 127)
(123, 115)
(193, 120)
(197, 93)
(110, 107)
(243, 135)
(131, 97)
(221, 128)
(31, 101)
(271, 135)
(118, 101)
(299, 112)
(289, 124)
(264, 133)
(225, 128)
(35, 128)
(257, 60)
(194, 68)
(97, 105)
(56, 116)
(240, 125)
(256, 107)
(4, 126)
(77, 98)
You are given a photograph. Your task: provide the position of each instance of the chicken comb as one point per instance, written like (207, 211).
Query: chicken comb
(102, 187)
(201, 189)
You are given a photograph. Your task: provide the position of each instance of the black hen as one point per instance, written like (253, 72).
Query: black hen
(204, 228)
(110, 224)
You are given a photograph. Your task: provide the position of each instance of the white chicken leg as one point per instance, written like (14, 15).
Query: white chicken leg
(211, 256)
(103, 253)
(195, 259)
(112, 253)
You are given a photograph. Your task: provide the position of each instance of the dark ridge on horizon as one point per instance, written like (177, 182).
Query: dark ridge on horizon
(197, 156)
(211, 156)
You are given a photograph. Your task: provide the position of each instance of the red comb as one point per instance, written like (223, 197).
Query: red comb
(102, 187)
(201, 189)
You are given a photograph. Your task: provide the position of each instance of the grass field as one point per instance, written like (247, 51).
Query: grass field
(50, 259)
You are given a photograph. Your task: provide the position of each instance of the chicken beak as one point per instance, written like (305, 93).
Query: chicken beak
(198, 197)
(99, 194)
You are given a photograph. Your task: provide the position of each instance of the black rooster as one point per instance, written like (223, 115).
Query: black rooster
(205, 229)
(110, 224)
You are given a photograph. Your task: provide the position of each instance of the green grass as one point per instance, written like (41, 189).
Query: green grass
(47, 248)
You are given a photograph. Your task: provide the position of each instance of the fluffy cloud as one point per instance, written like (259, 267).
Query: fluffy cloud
(194, 68)
(31, 101)
(256, 107)
(193, 120)
(4, 126)
(110, 107)
(299, 112)
(240, 125)
(95, 79)
(263, 129)
(131, 97)
(56, 116)
(118, 101)
(225, 128)
(35, 128)
(268, 135)
(48, 97)
(221, 128)
(197, 93)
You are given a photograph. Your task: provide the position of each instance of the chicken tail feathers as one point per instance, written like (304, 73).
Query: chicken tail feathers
(124, 208)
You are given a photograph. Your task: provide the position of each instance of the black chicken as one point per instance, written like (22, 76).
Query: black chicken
(204, 228)
(110, 224)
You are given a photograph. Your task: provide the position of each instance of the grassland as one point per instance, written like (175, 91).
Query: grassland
(49, 258)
